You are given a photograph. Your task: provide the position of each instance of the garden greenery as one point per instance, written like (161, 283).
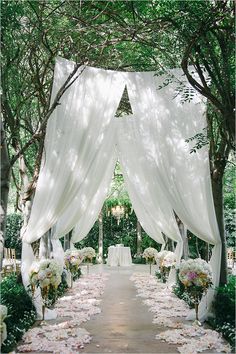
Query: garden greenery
(224, 310)
(21, 311)
(13, 226)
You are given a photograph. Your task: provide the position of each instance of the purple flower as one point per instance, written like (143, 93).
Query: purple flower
(192, 275)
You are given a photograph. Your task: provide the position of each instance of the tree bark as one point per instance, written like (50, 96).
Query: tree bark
(100, 238)
(217, 189)
(183, 233)
(67, 241)
(25, 199)
(5, 178)
(5, 185)
(139, 238)
(44, 246)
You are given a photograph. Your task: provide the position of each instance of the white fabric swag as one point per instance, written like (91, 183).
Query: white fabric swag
(160, 173)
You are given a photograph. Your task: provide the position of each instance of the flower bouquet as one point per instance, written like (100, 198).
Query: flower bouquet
(167, 261)
(150, 255)
(196, 276)
(73, 259)
(88, 255)
(45, 274)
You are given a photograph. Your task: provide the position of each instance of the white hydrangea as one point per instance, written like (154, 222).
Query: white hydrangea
(195, 272)
(169, 260)
(45, 273)
(73, 258)
(150, 254)
(88, 253)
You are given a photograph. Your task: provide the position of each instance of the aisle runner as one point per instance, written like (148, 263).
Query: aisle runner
(79, 303)
(166, 308)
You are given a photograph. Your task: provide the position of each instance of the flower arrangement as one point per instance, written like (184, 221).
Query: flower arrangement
(196, 276)
(160, 256)
(88, 254)
(45, 274)
(3, 327)
(150, 254)
(166, 260)
(73, 259)
(169, 260)
(195, 273)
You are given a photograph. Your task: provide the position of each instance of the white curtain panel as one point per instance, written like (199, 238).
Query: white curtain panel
(58, 252)
(141, 181)
(76, 132)
(87, 203)
(183, 177)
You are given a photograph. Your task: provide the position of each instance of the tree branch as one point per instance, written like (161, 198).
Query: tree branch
(69, 81)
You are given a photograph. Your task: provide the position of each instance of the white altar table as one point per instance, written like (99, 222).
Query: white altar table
(119, 256)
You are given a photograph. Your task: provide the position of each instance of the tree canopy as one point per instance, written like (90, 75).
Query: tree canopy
(119, 35)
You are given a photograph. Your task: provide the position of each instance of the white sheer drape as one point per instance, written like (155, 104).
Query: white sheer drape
(183, 175)
(152, 208)
(160, 173)
(85, 207)
(76, 132)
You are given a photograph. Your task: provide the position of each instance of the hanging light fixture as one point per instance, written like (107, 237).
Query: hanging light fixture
(118, 212)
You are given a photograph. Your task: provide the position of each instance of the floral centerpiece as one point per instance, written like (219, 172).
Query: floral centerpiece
(196, 276)
(88, 254)
(45, 274)
(160, 256)
(150, 255)
(3, 327)
(167, 261)
(73, 259)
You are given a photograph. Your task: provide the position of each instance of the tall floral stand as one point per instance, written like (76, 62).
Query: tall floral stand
(196, 299)
(88, 268)
(69, 279)
(88, 262)
(150, 268)
(196, 276)
(44, 292)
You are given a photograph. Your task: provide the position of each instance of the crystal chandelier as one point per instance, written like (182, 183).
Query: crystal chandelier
(118, 212)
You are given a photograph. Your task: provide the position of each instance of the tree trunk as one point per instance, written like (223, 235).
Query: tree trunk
(139, 238)
(169, 245)
(44, 251)
(5, 179)
(183, 233)
(67, 241)
(5, 185)
(50, 248)
(100, 238)
(197, 248)
(217, 189)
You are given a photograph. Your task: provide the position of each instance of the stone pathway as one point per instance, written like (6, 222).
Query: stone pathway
(124, 324)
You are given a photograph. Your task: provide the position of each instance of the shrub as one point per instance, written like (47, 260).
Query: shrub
(12, 239)
(21, 311)
(138, 260)
(224, 310)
